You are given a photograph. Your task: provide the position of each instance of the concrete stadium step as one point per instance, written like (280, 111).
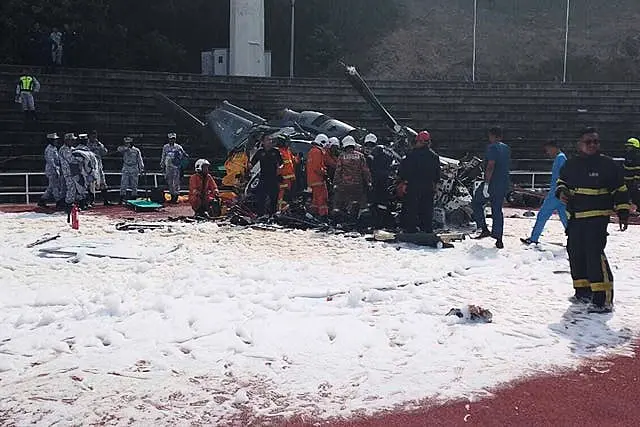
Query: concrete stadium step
(269, 108)
(120, 102)
(337, 94)
(336, 87)
(137, 75)
(195, 81)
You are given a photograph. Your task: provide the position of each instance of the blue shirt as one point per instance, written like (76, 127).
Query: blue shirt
(500, 153)
(558, 163)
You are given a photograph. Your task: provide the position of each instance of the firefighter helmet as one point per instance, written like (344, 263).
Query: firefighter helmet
(321, 139)
(200, 163)
(348, 141)
(633, 142)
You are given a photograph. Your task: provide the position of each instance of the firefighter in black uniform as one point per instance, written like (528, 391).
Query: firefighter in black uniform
(270, 163)
(420, 170)
(380, 164)
(632, 170)
(592, 185)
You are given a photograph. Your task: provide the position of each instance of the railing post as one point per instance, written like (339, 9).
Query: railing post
(155, 180)
(26, 186)
(533, 181)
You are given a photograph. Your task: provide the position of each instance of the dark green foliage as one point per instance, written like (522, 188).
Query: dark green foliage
(170, 34)
(391, 39)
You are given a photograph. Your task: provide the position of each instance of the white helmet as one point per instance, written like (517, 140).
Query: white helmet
(321, 139)
(348, 141)
(334, 142)
(200, 163)
(371, 138)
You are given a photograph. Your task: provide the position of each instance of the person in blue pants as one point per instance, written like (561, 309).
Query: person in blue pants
(494, 189)
(551, 202)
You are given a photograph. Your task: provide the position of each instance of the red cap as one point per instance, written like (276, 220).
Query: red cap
(423, 136)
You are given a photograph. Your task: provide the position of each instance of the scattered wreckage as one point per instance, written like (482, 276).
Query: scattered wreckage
(236, 132)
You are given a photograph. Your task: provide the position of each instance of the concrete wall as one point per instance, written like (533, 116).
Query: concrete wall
(456, 113)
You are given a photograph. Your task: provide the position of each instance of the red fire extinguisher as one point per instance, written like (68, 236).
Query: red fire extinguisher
(75, 223)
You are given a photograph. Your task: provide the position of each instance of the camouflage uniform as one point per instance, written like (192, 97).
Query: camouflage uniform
(132, 167)
(99, 150)
(172, 155)
(351, 179)
(52, 171)
(87, 170)
(70, 170)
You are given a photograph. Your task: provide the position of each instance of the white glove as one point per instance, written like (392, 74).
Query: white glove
(485, 190)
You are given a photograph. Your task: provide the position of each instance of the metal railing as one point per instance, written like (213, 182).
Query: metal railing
(28, 193)
(533, 176)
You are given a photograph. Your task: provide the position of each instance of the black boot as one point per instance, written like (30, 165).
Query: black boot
(484, 234)
(121, 201)
(105, 197)
(582, 296)
(600, 303)
(174, 199)
(42, 203)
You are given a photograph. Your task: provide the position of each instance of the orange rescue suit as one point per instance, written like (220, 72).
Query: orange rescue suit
(316, 176)
(330, 162)
(201, 192)
(288, 174)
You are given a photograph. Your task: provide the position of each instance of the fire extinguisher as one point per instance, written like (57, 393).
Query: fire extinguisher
(75, 223)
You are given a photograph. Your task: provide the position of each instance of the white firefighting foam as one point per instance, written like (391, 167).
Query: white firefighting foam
(238, 321)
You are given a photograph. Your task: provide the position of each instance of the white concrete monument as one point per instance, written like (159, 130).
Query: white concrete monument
(246, 53)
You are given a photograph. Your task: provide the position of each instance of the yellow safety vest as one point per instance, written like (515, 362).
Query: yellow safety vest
(26, 83)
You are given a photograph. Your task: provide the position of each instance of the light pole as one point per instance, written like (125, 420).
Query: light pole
(293, 34)
(475, 25)
(566, 43)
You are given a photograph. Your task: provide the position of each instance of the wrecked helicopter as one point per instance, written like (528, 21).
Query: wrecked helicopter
(238, 132)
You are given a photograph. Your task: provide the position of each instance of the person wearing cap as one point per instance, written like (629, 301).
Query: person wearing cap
(171, 164)
(369, 143)
(351, 181)
(494, 189)
(69, 168)
(551, 202)
(317, 175)
(270, 164)
(99, 150)
(632, 170)
(51, 171)
(203, 191)
(132, 167)
(420, 171)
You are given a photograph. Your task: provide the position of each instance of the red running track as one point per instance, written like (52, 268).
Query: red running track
(606, 393)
